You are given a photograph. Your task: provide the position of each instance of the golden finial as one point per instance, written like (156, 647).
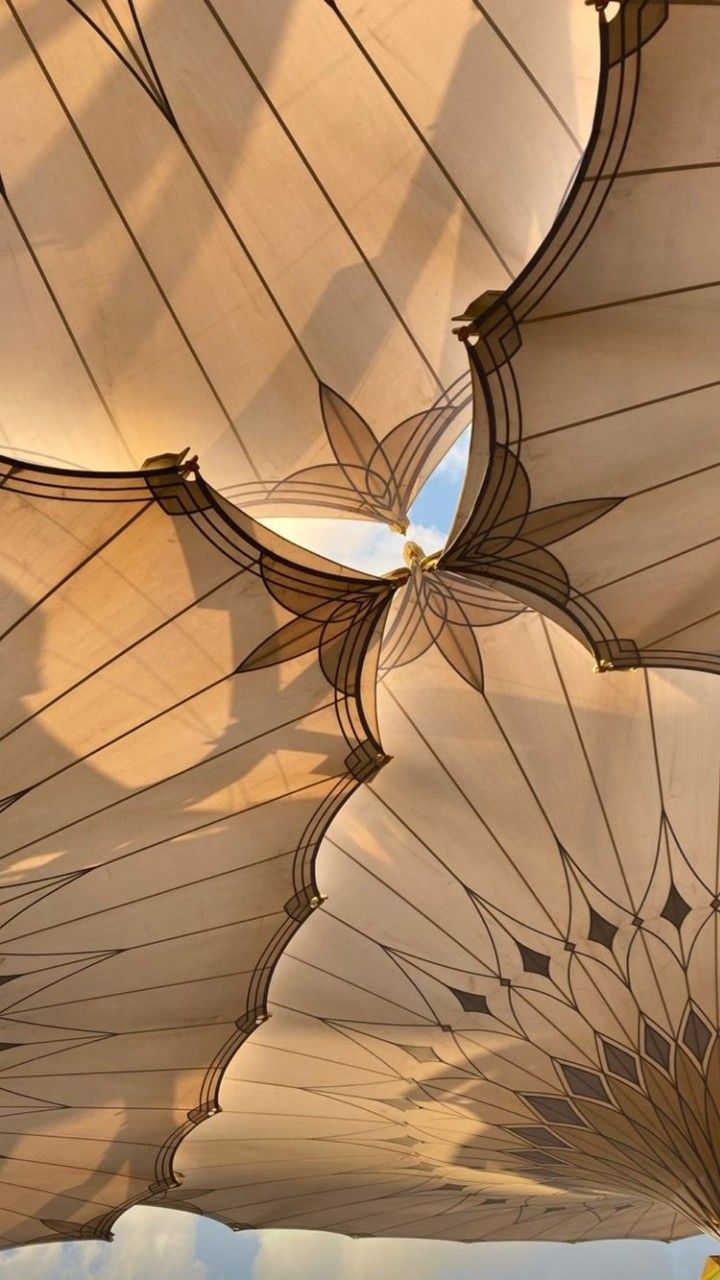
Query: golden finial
(413, 554)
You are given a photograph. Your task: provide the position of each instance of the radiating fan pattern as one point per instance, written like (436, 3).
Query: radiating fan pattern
(327, 900)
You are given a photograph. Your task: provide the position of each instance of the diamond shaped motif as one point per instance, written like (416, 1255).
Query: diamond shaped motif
(601, 930)
(539, 1134)
(676, 908)
(657, 1046)
(696, 1036)
(585, 1084)
(471, 1001)
(534, 961)
(422, 1052)
(554, 1110)
(620, 1062)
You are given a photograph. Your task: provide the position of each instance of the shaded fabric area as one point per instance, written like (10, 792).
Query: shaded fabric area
(245, 228)
(503, 1022)
(500, 1019)
(187, 711)
(592, 488)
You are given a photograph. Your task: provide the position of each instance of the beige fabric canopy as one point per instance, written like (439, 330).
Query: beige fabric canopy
(245, 231)
(187, 711)
(245, 227)
(597, 410)
(503, 1022)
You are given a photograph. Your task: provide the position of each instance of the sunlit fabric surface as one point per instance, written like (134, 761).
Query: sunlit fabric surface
(245, 228)
(503, 1022)
(246, 231)
(174, 740)
(594, 473)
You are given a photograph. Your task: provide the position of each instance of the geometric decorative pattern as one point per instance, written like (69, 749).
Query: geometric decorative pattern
(518, 947)
(501, 1016)
(162, 814)
(262, 255)
(444, 610)
(596, 373)
(370, 479)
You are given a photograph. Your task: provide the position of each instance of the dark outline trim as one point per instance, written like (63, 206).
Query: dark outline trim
(498, 406)
(178, 497)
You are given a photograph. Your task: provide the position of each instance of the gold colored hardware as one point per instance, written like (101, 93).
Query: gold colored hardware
(413, 554)
(163, 461)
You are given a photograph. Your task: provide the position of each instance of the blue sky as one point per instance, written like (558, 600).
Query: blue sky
(158, 1244)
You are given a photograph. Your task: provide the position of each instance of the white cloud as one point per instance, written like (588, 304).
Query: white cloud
(149, 1244)
(291, 1255)
(454, 464)
(360, 544)
(157, 1244)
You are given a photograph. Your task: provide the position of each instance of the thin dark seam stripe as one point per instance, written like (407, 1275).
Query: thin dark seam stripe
(421, 137)
(533, 79)
(395, 893)
(321, 187)
(664, 484)
(127, 991)
(613, 413)
(132, 51)
(473, 807)
(544, 273)
(240, 240)
(131, 235)
(174, 937)
(330, 973)
(66, 324)
(645, 568)
(623, 302)
(369, 1181)
(663, 168)
(163, 105)
(688, 626)
(143, 724)
(148, 55)
(138, 71)
(117, 656)
(77, 567)
(48, 835)
(368, 1200)
(55, 1137)
(661, 795)
(66, 1193)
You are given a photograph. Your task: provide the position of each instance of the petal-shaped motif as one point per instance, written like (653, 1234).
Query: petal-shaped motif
(528, 1028)
(163, 807)
(209, 220)
(372, 479)
(505, 539)
(443, 609)
(599, 366)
